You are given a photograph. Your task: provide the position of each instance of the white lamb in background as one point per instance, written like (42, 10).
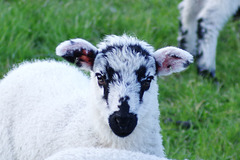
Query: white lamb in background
(200, 23)
(101, 154)
(47, 106)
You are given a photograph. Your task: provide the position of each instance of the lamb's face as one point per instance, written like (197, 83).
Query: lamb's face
(123, 75)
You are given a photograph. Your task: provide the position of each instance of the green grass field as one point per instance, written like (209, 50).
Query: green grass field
(32, 29)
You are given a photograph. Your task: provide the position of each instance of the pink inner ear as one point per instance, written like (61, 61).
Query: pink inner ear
(168, 62)
(171, 60)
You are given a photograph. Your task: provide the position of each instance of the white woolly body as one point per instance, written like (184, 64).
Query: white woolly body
(101, 154)
(58, 116)
(48, 106)
(201, 22)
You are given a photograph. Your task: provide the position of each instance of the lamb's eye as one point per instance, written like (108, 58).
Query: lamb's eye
(101, 79)
(146, 83)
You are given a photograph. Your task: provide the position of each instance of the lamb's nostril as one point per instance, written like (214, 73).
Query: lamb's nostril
(117, 120)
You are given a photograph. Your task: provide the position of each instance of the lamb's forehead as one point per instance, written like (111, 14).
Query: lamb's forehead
(125, 55)
(113, 40)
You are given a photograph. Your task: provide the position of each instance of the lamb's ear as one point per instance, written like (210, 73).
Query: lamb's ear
(78, 51)
(171, 59)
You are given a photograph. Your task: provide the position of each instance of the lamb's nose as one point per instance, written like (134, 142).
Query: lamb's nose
(122, 121)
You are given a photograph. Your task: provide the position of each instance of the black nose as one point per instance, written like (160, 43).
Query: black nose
(122, 120)
(122, 123)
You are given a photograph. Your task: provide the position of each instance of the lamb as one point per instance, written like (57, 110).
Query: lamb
(200, 23)
(101, 154)
(48, 106)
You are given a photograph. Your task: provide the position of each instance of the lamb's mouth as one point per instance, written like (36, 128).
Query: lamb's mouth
(122, 124)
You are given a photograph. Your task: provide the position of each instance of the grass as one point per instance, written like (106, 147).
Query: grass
(32, 29)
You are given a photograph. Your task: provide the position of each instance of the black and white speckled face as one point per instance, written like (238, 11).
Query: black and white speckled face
(123, 73)
(125, 69)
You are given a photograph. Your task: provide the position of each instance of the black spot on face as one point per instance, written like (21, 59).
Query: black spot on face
(106, 92)
(141, 73)
(138, 49)
(111, 48)
(124, 107)
(145, 84)
(110, 72)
